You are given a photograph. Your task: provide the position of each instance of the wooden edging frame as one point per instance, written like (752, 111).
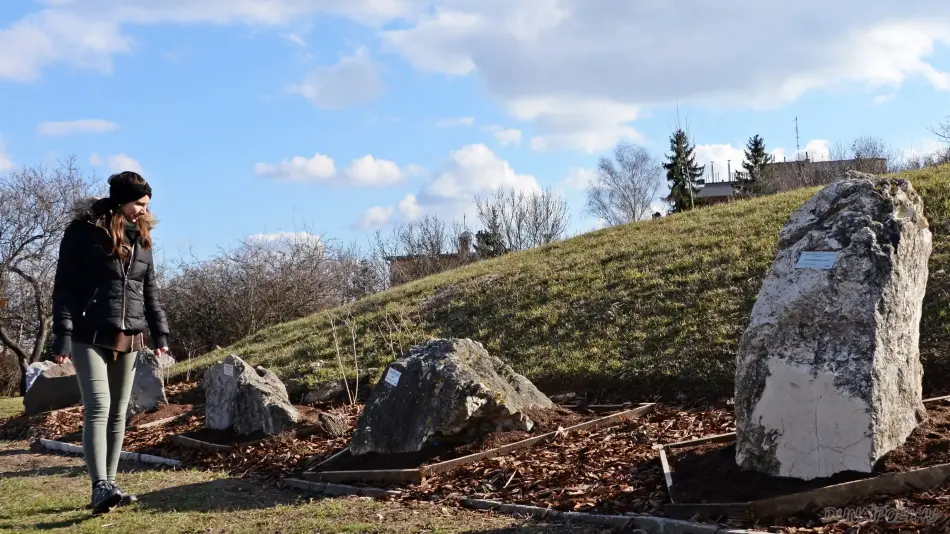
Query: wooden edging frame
(419, 473)
(829, 496)
(648, 523)
(124, 455)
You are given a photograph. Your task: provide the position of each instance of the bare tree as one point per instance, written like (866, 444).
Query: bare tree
(420, 248)
(943, 130)
(35, 207)
(523, 220)
(259, 283)
(623, 191)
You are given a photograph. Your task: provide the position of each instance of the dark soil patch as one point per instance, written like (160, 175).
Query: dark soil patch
(185, 393)
(708, 473)
(446, 449)
(223, 437)
(162, 412)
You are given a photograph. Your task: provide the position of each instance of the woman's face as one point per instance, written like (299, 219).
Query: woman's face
(133, 210)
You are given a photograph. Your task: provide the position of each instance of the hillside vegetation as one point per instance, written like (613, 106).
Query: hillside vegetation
(652, 310)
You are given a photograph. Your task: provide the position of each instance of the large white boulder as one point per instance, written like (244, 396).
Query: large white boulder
(828, 375)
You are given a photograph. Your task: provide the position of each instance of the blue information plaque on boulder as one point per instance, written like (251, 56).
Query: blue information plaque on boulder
(814, 259)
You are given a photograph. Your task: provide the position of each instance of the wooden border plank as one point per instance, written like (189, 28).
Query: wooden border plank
(448, 465)
(160, 422)
(840, 494)
(667, 474)
(381, 475)
(192, 443)
(718, 438)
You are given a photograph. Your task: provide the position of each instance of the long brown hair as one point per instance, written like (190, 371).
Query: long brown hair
(116, 220)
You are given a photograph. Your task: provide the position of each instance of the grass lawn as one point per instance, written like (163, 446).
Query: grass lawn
(50, 492)
(10, 407)
(644, 311)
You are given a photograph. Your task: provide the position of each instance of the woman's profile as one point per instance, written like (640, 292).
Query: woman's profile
(104, 297)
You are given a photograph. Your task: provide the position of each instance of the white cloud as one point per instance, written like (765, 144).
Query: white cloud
(116, 163)
(505, 136)
(299, 169)
(817, 150)
(470, 171)
(88, 34)
(409, 207)
(545, 59)
(587, 125)
(473, 170)
(373, 218)
(353, 80)
(720, 159)
(924, 147)
(369, 171)
(52, 36)
(883, 99)
(61, 128)
(365, 171)
(455, 122)
(6, 161)
(579, 178)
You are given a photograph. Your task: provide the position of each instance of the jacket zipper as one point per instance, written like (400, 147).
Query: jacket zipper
(92, 300)
(125, 283)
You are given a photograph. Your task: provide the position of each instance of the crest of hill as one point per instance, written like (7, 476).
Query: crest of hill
(652, 310)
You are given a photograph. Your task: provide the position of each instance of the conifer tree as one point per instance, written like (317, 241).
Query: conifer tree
(755, 158)
(682, 172)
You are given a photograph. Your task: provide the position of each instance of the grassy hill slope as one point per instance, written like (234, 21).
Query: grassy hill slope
(649, 310)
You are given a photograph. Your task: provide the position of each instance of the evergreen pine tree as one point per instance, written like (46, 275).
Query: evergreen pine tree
(755, 158)
(682, 172)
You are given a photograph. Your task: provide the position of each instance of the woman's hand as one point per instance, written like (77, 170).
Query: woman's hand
(160, 351)
(60, 358)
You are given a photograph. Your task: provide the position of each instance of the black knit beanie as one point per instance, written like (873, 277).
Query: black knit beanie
(121, 191)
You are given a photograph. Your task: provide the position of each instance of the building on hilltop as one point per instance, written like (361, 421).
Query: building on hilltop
(785, 175)
(406, 268)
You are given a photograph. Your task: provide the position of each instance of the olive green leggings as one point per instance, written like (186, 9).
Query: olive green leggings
(106, 386)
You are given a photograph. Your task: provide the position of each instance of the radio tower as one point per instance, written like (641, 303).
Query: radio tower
(798, 147)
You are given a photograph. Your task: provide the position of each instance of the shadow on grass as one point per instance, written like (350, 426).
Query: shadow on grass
(533, 527)
(215, 496)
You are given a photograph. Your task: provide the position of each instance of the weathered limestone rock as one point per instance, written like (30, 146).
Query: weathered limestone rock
(828, 374)
(51, 387)
(444, 387)
(246, 399)
(148, 385)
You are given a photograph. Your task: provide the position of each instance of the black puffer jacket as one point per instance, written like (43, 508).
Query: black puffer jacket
(93, 291)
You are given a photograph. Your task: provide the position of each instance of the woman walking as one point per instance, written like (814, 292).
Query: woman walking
(104, 297)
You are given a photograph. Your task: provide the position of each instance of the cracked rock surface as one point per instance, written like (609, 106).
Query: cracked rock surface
(828, 375)
(444, 388)
(246, 399)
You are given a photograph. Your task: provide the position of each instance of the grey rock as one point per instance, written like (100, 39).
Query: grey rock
(326, 392)
(148, 385)
(246, 399)
(445, 388)
(828, 375)
(53, 387)
(333, 391)
(332, 424)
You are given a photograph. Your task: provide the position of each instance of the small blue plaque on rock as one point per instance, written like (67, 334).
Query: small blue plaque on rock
(814, 259)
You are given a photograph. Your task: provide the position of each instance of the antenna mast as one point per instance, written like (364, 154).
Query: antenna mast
(798, 146)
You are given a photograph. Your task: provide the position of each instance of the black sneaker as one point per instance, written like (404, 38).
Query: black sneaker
(126, 498)
(104, 497)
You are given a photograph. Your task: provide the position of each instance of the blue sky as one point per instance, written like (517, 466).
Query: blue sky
(423, 104)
